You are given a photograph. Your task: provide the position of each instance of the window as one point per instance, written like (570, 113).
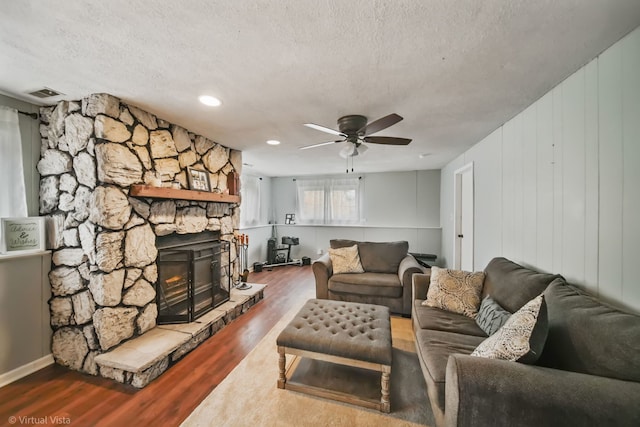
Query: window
(328, 201)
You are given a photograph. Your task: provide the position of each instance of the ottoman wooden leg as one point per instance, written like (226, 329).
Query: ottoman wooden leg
(385, 404)
(282, 361)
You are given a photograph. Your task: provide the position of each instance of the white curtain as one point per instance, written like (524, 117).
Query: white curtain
(13, 197)
(310, 201)
(328, 201)
(344, 201)
(250, 191)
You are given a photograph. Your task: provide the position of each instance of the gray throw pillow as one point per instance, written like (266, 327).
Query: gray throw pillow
(491, 316)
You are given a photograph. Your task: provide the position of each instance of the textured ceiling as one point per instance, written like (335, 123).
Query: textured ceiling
(455, 70)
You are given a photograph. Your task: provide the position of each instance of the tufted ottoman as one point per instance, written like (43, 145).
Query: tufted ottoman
(344, 333)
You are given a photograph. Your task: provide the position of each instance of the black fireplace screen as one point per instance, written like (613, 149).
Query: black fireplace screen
(193, 277)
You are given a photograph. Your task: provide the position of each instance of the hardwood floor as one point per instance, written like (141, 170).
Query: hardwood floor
(85, 400)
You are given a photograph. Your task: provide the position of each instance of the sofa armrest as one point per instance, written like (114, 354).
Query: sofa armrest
(322, 270)
(483, 391)
(409, 266)
(420, 285)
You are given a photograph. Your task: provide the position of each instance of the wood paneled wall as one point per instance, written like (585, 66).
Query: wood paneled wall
(558, 186)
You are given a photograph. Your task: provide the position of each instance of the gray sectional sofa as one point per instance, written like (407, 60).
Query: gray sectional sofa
(388, 269)
(588, 373)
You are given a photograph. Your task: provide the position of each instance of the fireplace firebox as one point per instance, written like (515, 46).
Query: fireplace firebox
(194, 276)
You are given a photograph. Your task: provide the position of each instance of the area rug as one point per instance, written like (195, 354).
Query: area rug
(249, 396)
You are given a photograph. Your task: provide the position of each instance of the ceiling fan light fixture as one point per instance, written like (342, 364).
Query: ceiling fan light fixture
(355, 130)
(348, 151)
(209, 100)
(352, 150)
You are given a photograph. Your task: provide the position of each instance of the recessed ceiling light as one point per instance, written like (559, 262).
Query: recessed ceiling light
(211, 101)
(273, 142)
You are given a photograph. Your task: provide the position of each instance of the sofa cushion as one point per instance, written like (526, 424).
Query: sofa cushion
(345, 260)
(522, 336)
(377, 257)
(589, 336)
(491, 316)
(445, 321)
(434, 349)
(512, 285)
(455, 290)
(378, 284)
(436, 346)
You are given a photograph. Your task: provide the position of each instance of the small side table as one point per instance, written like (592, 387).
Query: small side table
(425, 260)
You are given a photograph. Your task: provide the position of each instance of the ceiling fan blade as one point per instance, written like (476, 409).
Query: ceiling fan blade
(324, 129)
(380, 124)
(320, 144)
(387, 140)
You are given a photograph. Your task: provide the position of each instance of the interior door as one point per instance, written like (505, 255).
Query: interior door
(463, 254)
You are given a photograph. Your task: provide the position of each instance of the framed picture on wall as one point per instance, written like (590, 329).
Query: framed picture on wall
(198, 179)
(23, 234)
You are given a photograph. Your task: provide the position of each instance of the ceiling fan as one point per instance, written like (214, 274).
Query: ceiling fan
(355, 129)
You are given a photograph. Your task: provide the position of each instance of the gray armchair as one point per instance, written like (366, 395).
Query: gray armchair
(388, 271)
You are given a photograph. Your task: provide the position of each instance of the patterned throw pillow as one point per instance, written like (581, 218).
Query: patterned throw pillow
(346, 260)
(455, 290)
(491, 316)
(521, 338)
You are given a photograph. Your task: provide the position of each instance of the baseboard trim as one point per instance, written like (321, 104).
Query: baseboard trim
(24, 370)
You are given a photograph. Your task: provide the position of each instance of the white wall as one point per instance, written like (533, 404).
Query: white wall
(397, 206)
(391, 199)
(314, 239)
(558, 186)
(25, 334)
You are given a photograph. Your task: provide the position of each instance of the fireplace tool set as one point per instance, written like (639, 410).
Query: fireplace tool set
(242, 241)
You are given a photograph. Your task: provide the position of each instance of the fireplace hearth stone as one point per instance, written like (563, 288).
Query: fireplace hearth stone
(141, 360)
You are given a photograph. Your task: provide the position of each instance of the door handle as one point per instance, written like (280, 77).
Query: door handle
(460, 236)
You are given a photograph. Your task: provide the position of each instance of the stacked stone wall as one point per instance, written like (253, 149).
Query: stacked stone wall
(104, 255)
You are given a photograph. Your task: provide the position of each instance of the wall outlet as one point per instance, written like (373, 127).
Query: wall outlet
(320, 251)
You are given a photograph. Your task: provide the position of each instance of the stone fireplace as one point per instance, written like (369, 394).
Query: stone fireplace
(104, 263)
